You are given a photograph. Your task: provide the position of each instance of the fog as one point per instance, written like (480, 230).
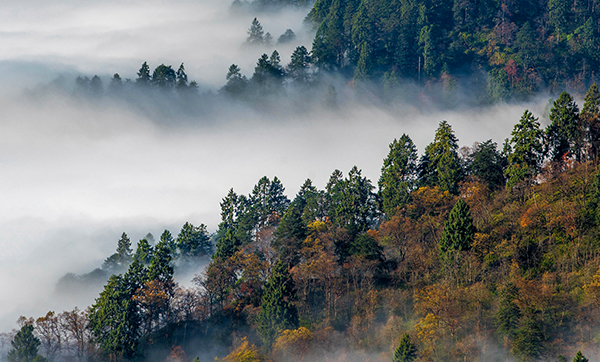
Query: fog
(77, 173)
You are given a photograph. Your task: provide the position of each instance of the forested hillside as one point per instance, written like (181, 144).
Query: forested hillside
(517, 47)
(473, 254)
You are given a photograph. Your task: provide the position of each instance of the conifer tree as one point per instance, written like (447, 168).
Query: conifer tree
(527, 153)
(278, 311)
(143, 75)
(590, 119)
(406, 351)
(256, 34)
(508, 315)
(441, 166)
(398, 175)
(580, 358)
(564, 134)
(25, 346)
(459, 230)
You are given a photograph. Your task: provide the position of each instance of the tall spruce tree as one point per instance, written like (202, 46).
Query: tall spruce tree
(580, 358)
(278, 311)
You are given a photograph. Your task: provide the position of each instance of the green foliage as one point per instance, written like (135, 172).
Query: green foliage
(508, 315)
(406, 351)
(278, 311)
(398, 175)
(564, 134)
(458, 231)
(528, 343)
(527, 153)
(164, 77)
(440, 165)
(25, 346)
(351, 201)
(580, 358)
(113, 319)
(193, 241)
(488, 165)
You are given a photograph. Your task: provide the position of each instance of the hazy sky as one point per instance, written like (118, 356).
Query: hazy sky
(76, 175)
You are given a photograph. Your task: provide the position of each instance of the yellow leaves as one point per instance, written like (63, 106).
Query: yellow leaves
(294, 343)
(428, 333)
(317, 226)
(246, 352)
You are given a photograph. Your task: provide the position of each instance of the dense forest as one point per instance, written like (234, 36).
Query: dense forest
(450, 52)
(472, 253)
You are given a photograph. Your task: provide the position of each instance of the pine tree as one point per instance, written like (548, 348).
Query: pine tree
(406, 351)
(278, 311)
(398, 175)
(459, 230)
(487, 164)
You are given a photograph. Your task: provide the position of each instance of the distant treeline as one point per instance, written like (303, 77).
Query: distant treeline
(470, 254)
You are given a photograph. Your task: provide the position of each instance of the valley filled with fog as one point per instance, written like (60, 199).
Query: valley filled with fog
(77, 173)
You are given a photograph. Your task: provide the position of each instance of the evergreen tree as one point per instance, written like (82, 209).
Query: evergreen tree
(143, 252)
(441, 165)
(580, 358)
(182, 78)
(528, 344)
(286, 37)
(527, 154)
(25, 346)
(298, 69)
(487, 164)
(564, 133)
(406, 351)
(508, 316)
(143, 74)
(459, 230)
(255, 33)
(590, 119)
(398, 175)
(114, 319)
(160, 266)
(193, 241)
(278, 311)
(236, 82)
(164, 77)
